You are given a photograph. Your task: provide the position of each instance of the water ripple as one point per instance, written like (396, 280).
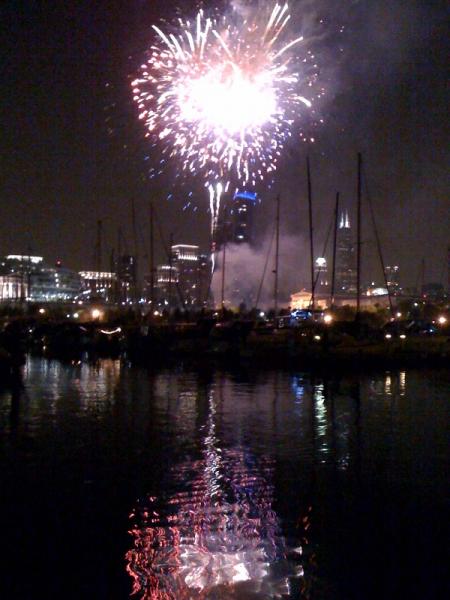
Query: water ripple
(216, 534)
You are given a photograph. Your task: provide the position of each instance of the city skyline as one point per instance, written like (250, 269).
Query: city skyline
(66, 117)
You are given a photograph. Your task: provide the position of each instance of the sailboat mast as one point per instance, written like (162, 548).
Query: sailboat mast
(224, 258)
(336, 226)
(170, 270)
(119, 266)
(98, 247)
(277, 255)
(152, 257)
(358, 249)
(135, 243)
(311, 232)
(379, 249)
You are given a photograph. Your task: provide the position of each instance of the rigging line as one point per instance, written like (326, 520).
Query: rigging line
(325, 248)
(167, 252)
(258, 297)
(377, 238)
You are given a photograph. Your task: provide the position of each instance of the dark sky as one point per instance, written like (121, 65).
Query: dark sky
(72, 151)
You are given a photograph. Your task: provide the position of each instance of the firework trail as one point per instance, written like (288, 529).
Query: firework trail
(215, 199)
(220, 95)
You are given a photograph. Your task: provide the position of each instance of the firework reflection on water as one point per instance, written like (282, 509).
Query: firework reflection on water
(218, 534)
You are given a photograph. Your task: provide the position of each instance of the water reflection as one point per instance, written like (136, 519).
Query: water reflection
(218, 533)
(389, 387)
(214, 531)
(259, 485)
(320, 411)
(402, 383)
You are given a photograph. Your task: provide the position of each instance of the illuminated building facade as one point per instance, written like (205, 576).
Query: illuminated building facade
(374, 301)
(99, 286)
(193, 271)
(185, 282)
(186, 259)
(345, 258)
(54, 284)
(166, 283)
(13, 288)
(41, 282)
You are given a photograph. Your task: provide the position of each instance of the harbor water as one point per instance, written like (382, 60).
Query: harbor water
(223, 485)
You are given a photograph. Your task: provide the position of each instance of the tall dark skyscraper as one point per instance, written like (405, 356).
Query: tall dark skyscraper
(346, 257)
(236, 225)
(242, 217)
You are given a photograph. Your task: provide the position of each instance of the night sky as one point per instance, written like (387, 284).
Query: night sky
(72, 151)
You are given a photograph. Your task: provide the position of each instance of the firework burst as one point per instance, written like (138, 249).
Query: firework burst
(220, 94)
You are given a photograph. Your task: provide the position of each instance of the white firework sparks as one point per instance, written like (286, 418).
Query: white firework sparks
(220, 95)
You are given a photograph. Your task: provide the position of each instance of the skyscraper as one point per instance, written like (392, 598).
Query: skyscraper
(186, 260)
(242, 211)
(236, 223)
(98, 286)
(345, 257)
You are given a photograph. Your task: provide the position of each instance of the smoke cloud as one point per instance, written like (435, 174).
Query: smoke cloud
(249, 271)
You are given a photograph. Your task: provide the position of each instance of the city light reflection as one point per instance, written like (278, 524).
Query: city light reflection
(402, 383)
(320, 410)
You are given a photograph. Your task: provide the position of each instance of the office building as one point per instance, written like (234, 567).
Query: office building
(166, 287)
(185, 282)
(236, 222)
(40, 282)
(243, 216)
(345, 257)
(13, 288)
(99, 286)
(186, 260)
